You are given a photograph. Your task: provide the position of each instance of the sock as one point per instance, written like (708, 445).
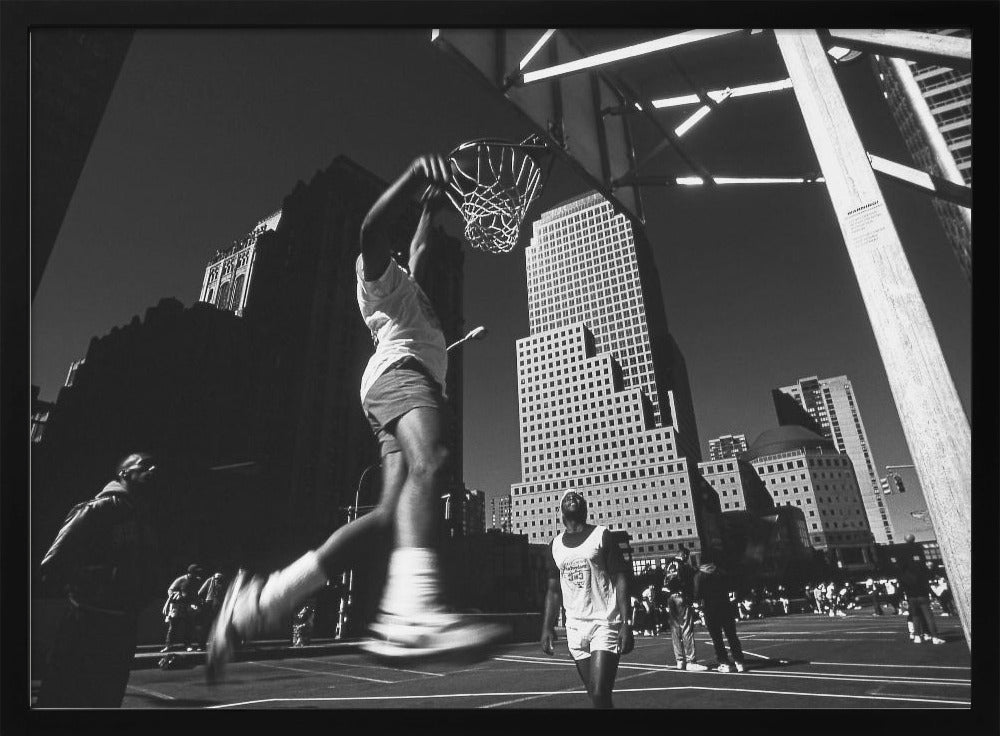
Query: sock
(413, 585)
(288, 586)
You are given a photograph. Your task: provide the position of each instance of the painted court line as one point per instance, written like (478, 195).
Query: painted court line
(899, 679)
(907, 666)
(320, 672)
(151, 692)
(375, 667)
(808, 695)
(567, 690)
(578, 692)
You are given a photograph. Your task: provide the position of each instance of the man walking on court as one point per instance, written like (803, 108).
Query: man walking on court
(679, 583)
(710, 588)
(587, 575)
(402, 394)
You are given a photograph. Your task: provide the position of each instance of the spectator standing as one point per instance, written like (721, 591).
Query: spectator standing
(913, 579)
(711, 590)
(303, 624)
(182, 611)
(105, 558)
(211, 594)
(679, 584)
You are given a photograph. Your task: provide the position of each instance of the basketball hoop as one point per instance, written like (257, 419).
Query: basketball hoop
(493, 184)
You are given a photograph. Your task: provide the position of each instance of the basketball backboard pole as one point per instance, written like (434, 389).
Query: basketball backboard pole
(935, 426)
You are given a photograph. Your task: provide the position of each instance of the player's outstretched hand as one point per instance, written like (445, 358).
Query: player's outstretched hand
(433, 168)
(626, 641)
(548, 641)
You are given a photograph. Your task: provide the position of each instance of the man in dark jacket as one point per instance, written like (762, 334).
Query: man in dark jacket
(102, 557)
(710, 588)
(914, 579)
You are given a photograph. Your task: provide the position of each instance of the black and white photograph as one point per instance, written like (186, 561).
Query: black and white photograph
(501, 364)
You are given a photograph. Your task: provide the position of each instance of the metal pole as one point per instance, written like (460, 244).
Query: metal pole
(347, 577)
(936, 428)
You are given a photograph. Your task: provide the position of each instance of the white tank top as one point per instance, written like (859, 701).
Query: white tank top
(588, 590)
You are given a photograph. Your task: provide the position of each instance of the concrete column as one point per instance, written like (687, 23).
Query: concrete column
(936, 428)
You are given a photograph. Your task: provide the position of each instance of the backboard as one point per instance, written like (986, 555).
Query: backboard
(570, 112)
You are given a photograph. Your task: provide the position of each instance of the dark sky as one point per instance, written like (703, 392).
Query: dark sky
(207, 131)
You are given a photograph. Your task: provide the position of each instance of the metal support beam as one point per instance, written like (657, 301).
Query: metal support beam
(923, 182)
(687, 181)
(627, 52)
(949, 51)
(936, 428)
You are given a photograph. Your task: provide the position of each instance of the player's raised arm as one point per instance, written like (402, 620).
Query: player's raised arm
(428, 174)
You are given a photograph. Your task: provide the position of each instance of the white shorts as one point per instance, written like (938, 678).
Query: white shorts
(584, 637)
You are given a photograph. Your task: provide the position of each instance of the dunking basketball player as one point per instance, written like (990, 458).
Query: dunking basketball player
(402, 396)
(587, 575)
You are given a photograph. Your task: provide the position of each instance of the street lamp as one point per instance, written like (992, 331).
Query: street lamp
(347, 577)
(475, 334)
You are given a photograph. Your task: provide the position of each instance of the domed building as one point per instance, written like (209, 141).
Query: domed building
(802, 469)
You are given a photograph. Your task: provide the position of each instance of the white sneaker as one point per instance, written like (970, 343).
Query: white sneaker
(681, 664)
(739, 667)
(917, 640)
(431, 635)
(238, 620)
(696, 667)
(937, 640)
(723, 668)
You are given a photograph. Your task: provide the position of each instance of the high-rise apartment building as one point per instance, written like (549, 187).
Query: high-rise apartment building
(500, 514)
(727, 446)
(737, 484)
(932, 105)
(226, 283)
(832, 405)
(603, 397)
(801, 469)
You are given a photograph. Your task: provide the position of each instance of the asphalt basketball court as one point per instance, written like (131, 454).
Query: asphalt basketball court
(798, 661)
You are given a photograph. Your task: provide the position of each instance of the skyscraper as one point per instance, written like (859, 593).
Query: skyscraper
(831, 404)
(226, 283)
(932, 105)
(604, 402)
(727, 446)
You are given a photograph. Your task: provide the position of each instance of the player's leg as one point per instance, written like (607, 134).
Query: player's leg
(714, 626)
(412, 621)
(603, 669)
(413, 582)
(252, 603)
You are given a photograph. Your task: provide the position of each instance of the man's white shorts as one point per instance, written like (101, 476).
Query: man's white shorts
(584, 637)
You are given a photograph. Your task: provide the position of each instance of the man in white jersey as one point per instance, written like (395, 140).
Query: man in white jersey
(402, 394)
(587, 575)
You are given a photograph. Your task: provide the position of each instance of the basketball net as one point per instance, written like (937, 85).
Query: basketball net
(493, 184)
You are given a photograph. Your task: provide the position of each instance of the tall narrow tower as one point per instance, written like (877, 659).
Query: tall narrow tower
(226, 283)
(831, 404)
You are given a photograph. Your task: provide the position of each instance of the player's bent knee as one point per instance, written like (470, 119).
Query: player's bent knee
(430, 467)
